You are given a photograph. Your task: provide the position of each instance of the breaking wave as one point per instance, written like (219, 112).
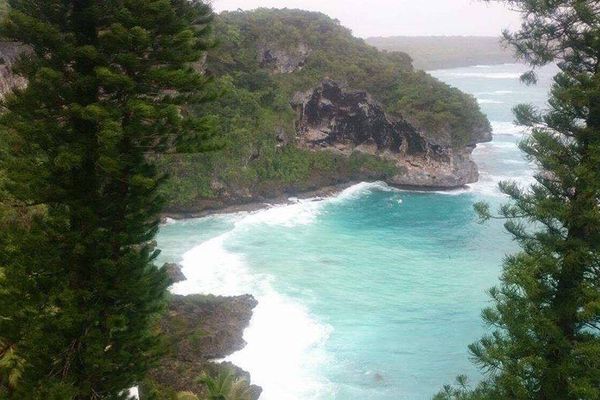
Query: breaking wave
(285, 350)
(483, 75)
(496, 93)
(489, 101)
(507, 128)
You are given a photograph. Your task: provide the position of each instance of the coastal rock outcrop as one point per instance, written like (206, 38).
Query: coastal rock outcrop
(174, 272)
(199, 329)
(283, 61)
(344, 121)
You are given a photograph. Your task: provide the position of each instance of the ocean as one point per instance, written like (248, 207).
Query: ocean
(374, 293)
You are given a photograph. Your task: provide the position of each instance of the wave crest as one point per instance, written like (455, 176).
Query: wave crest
(507, 128)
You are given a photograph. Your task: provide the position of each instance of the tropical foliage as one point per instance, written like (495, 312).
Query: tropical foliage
(226, 386)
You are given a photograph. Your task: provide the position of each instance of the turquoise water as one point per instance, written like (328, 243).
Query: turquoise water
(374, 293)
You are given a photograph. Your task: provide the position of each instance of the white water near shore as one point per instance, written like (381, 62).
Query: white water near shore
(371, 294)
(277, 318)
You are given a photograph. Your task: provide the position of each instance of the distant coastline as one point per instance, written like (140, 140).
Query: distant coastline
(444, 52)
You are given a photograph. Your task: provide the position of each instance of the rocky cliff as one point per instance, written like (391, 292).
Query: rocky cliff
(283, 61)
(331, 118)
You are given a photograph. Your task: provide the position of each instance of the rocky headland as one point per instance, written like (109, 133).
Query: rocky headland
(344, 121)
(198, 330)
(308, 107)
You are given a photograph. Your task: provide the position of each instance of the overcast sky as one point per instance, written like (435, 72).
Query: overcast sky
(399, 17)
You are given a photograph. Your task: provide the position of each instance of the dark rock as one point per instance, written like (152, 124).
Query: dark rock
(283, 61)
(334, 119)
(212, 326)
(330, 116)
(174, 272)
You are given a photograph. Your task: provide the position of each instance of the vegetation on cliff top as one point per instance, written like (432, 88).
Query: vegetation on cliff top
(256, 122)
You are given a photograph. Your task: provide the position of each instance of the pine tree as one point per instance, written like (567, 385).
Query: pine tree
(546, 317)
(109, 84)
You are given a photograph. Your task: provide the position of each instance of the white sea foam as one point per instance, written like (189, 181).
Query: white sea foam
(507, 128)
(491, 147)
(168, 221)
(447, 192)
(495, 93)
(360, 189)
(285, 351)
(488, 183)
(302, 212)
(515, 162)
(485, 75)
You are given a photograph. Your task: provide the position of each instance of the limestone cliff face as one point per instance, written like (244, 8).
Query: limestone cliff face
(282, 61)
(334, 119)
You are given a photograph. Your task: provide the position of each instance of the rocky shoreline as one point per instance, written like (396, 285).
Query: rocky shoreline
(256, 205)
(197, 330)
(285, 199)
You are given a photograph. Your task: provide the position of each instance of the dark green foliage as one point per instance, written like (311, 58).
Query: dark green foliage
(79, 292)
(545, 342)
(462, 391)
